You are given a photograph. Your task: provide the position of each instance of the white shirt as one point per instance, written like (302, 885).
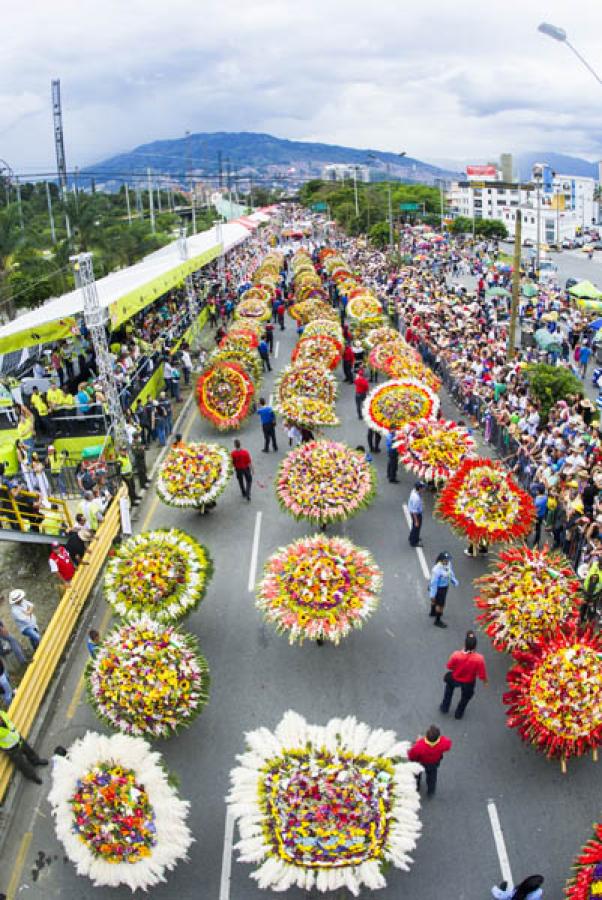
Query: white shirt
(21, 615)
(167, 370)
(186, 360)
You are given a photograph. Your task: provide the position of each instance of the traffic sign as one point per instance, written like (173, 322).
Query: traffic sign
(409, 207)
(320, 207)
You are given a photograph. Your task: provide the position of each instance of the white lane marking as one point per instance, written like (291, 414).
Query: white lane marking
(224, 885)
(270, 399)
(500, 844)
(419, 550)
(254, 552)
(277, 350)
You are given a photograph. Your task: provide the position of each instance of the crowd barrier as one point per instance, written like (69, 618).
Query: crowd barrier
(32, 690)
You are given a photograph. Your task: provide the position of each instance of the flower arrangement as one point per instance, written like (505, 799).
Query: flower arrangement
(329, 327)
(116, 814)
(397, 402)
(194, 475)
(148, 679)
(243, 356)
(241, 337)
(307, 380)
(555, 696)
(320, 349)
(247, 327)
(409, 365)
(527, 597)
(433, 448)
(164, 573)
(311, 412)
(224, 393)
(307, 310)
(324, 807)
(253, 308)
(319, 588)
(325, 481)
(381, 353)
(484, 502)
(258, 292)
(364, 306)
(586, 881)
(384, 335)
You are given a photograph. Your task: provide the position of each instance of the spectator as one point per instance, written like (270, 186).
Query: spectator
(24, 616)
(61, 566)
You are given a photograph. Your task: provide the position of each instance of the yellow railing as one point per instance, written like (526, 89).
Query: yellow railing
(40, 671)
(17, 513)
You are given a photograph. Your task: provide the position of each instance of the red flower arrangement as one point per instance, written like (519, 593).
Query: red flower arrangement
(555, 696)
(224, 393)
(318, 348)
(586, 882)
(241, 335)
(484, 502)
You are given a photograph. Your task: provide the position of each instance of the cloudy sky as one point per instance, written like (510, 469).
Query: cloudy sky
(440, 79)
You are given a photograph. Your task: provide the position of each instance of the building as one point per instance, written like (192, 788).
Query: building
(566, 202)
(345, 172)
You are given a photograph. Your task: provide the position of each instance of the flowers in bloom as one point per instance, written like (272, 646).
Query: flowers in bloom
(364, 306)
(321, 349)
(253, 308)
(433, 448)
(116, 814)
(324, 481)
(394, 403)
(312, 308)
(319, 588)
(148, 679)
(384, 334)
(404, 365)
(308, 411)
(330, 327)
(163, 573)
(194, 475)
(242, 356)
(586, 881)
(528, 595)
(307, 380)
(224, 393)
(324, 807)
(484, 502)
(555, 695)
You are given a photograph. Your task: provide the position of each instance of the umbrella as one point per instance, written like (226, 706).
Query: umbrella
(423, 245)
(505, 267)
(595, 325)
(546, 341)
(438, 239)
(595, 305)
(586, 290)
(529, 290)
(498, 292)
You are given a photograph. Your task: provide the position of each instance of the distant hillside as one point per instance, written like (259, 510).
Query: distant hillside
(560, 163)
(260, 155)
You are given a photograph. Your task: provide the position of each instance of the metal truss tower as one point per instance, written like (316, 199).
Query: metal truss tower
(95, 318)
(191, 297)
(59, 144)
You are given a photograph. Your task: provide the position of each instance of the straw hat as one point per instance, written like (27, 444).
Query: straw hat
(16, 596)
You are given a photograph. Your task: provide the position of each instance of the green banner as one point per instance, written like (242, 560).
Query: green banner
(41, 334)
(319, 207)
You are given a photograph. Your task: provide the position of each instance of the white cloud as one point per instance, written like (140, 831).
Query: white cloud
(436, 79)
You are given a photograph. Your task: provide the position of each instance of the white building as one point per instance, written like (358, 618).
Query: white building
(566, 202)
(345, 172)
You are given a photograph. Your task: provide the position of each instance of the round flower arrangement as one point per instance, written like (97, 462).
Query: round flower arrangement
(253, 308)
(307, 380)
(148, 679)
(164, 573)
(326, 807)
(384, 335)
(364, 306)
(319, 588)
(586, 881)
(241, 355)
(381, 353)
(116, 814)
(311, 412)
(484, 502)
(555, 696)
(404, 365)
(320, 349)
(325, 481)
(307, 310)
(528, 596)
(258, 292)
(242, 337)
(433, 448)
(247, 327)
(329, 327)
(224, 393)
(194, 475)
(395, 403)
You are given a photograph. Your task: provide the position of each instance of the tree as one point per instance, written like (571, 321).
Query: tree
(549, 384)
(461, 225)
(379, 235)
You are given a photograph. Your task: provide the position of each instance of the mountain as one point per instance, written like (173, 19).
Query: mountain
(261, 156)
(560, 163)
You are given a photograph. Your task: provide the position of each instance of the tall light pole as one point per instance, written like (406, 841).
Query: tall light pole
(151, 201)
(538, 177)
(357, 203)
(560, 35)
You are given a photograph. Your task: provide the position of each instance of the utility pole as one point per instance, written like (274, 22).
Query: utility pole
(515, 287)
(220, 260)
(59, 146)
(50, 216)
(355, 194)
(188, 282)
(127, 203)
(95, 318)
(159, 207)
(220, 169)
(76, 187)
(19, 204)
(151, 202)
(139, 207)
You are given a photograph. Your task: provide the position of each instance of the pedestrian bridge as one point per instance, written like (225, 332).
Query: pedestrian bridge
(24, 519)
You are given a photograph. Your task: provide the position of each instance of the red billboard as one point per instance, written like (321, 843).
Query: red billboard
(481, 171)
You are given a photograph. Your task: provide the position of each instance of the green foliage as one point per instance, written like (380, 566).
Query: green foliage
(493, 228)
(549, 384)
(379, 235)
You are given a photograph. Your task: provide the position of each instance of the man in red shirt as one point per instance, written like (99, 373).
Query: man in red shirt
(428, 751)
(61, 566)
(361, 389)
(280, 310)
(348, 358)
(243, 467)
(464, 667)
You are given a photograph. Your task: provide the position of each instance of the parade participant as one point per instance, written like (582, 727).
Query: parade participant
(374, 439)
(243, 469)
(442, 576)
(126, 470)
(464, 667)
(415, 509)
(268, 425)
(529, 889)
(348, 359)
(361, 391)
(429, 751)
(392, 457)
(21, 754)
(264, 355)
(24, 617)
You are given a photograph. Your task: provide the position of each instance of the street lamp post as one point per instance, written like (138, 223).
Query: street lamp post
(560, 35)
(538, 177)
(357, 204)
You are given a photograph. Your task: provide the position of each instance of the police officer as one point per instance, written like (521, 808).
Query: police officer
(127, 473)
(23, 756)
(442, 576)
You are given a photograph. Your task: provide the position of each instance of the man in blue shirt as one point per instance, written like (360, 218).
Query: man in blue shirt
(268, 424)
(415, 508)
(541, 509)
(392, 458)
(584, 354)
(442, 576)
(264, 353)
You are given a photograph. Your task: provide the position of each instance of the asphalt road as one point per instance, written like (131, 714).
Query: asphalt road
(388, 675)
